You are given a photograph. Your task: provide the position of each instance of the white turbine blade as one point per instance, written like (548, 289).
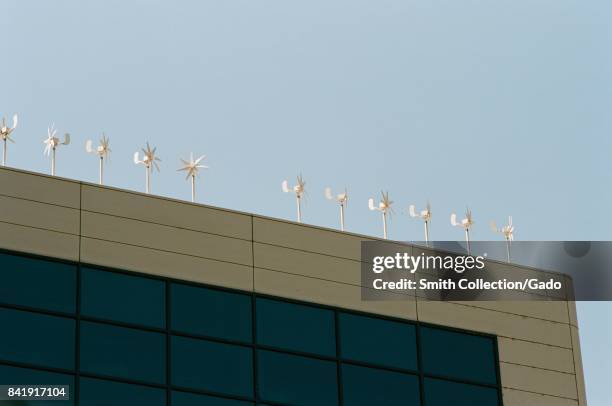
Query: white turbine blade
(89, 146)
(510, 220)
(412, 211)
(453, 219)
(136, 160)
(197, 161)
(14, 121)
(66, 139)
(371, 204)
(285, 186)
(328, 193)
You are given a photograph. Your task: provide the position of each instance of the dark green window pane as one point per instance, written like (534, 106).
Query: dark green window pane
(211, 312)
(366, 386)
(295, 327)
(296, 380)
(96, 392)
(191, 399)
(458, 355)
(37, 339)
(37, 283)
(378, 341)
(123, 352)
(23, 376)
(444, 393)
(120, 297)
(211, 366)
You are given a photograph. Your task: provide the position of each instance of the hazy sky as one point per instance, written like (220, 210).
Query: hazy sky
(502, 106)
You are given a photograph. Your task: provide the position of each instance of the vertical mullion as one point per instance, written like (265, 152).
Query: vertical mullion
(77, 338)
(254, 346)
(168, 358)
(420, 365)
(338, 358)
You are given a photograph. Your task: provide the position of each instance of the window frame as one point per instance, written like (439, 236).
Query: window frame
(169, 387)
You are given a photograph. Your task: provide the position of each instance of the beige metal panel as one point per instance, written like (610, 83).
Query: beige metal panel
(39, 215)
(538, 380)
(154, 262)
(307, 238)
(40, 188)
(160, 210)
(307, 264)
(166, 238)
(535, 355)
(540, 309)
(38, 241)
(514, 397)
(330, 293)
(573, 315)
(578, 365)
(494, 322)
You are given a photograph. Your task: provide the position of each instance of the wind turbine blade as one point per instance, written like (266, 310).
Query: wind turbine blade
(14, 121)
(66, 139)
(371, 204)
(88, 146)
(412, 211)
(328, 193)
(136, 160)
(285, 186)
(453, 219)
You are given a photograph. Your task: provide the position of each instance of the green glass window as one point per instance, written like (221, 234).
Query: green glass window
(37, 283)
(123, 352)
(444, 393)
(378, 341)
(37, 339)
(296, 380)
(211, 312)
(97, 392)
(211, 366)
(368, 386)
(125, 298)
(23, 376)
(295, 327)
(458, 355)
(191, 399)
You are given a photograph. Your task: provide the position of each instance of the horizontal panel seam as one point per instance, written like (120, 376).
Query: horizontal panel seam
(538, 393)
(39, 201)
(167, 225)
(167, 251)
(39, 228)
(537, 367)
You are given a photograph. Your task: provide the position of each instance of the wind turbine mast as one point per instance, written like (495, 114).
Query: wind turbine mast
(384, 206)
(52, 142)
(342, 199)
(102, 151)
(149, 160)
(5, 135)
(299, 190)
(466, 224)
(425, 215)
(192, 166)
(508, 232)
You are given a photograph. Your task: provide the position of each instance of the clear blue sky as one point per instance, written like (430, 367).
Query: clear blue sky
(502, 106)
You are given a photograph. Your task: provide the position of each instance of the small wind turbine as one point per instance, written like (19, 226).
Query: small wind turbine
(299, 191)
(5, 135)
(466, 224)
(52, 143)
(192, 167)
(384, 206)
(508, 232)
(102, 151)
(342, 199)
(425, 215)
(149, 160)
